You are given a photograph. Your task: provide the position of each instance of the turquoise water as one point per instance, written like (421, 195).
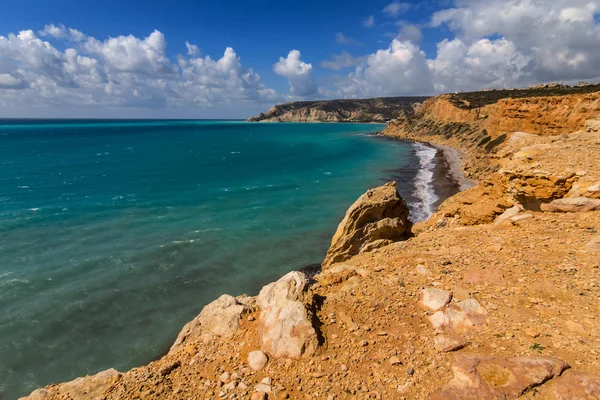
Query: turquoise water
(114, 234)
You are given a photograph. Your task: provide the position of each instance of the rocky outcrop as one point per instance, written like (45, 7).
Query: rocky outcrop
(573, 385)
(219, 318)
(477, 378)
(285, 325)
(85, 388)
(378, 218)
(574, 204)
(349, 110)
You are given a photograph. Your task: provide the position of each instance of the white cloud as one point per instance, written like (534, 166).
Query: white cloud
(343, 60)
(400, 69)
(123, 71)
(396, 8)
(61, 32)
(496, 44)
(298, 73)
(561, 37)
(409, 32)
(369, 22)
(192, 49)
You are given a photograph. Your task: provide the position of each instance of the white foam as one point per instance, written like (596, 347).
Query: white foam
(424, 192)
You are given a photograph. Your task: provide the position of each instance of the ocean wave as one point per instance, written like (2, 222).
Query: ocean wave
(424, 192)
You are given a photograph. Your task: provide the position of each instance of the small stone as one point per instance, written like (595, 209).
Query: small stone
(261, 387)
(422, 270)
(251, 318)
(257, 360)
(447, 343)
(435, 299)
(230, 386)
(266, 381)
(410, 371)
(259, 396)
(166, 369)
(395, 361)
(531, 332)
(224, 377)
(344, 367)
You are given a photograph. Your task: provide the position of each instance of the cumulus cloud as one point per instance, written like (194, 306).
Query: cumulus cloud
(343, 60)
(119, 71)
(400, 69)
(409, 32)
(369, 22)
(396, 8)
(298, 73)
(561, 38)
(495, 44)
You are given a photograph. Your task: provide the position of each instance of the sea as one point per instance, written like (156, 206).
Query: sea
(115, 233)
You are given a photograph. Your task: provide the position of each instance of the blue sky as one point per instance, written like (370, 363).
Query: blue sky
(114, 65)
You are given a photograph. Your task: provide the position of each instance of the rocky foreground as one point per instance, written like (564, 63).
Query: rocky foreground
(497, 296)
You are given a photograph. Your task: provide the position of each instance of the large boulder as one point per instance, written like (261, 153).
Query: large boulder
(220, 318)
(575, 385)
(285, 325)
(477, 378)
(85, 388)
(378, 218)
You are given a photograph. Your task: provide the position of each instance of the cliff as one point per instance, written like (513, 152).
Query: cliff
(363, 110)
(477, 123)
(495, 297)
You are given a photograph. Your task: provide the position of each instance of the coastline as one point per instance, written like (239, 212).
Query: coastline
(371, 325)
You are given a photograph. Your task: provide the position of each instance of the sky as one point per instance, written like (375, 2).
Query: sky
(236, 58)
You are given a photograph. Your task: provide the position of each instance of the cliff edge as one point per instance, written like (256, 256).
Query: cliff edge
(350, 110)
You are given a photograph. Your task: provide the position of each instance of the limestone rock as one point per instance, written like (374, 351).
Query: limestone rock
(594, 188)
(477, 378)
(446, 343)
(573, 204)
(379, 217)
(434, 299)
(220, 318)
(460, 317)
(509, 213)
(86, 388)
(285, 326)
(573, 385)
(291, 287)
(257, 360)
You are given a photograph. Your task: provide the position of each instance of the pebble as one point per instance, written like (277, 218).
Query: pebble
(257, 360)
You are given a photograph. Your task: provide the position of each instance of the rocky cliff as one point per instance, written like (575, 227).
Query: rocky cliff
(497, 296)
(362, 110)
(477, 123)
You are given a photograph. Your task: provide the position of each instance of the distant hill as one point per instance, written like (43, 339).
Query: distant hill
(348, 110)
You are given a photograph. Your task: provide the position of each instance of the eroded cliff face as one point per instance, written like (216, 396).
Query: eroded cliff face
(478, 123)
(348, 110)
